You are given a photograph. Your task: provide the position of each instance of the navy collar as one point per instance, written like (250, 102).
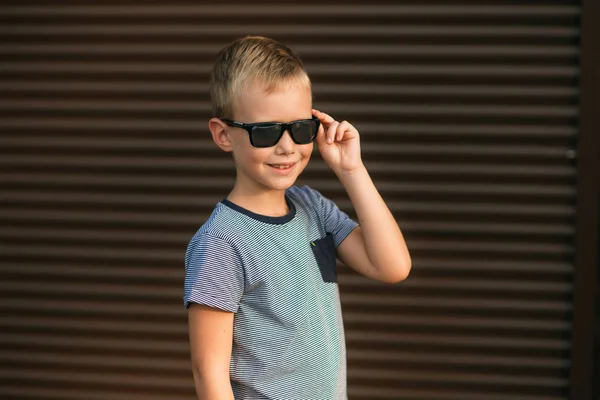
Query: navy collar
(265, 218)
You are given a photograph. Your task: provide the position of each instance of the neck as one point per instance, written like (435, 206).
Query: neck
(264, 202)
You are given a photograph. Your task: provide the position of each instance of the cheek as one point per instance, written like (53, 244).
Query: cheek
(261, 155)
(255, 156)
(306, 151)
(245, 153)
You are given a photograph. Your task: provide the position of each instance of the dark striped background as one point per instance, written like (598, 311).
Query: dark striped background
(468, 112)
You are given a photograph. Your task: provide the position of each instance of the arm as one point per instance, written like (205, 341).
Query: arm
(376, 248)
(211, 335)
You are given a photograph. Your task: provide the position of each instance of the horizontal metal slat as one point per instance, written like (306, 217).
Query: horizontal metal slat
(483, 227)
(157, 293)
(370, 392)
(457, 378)
(353, 50)
(475, 342)
(349, 283)
(316, 69)
(441, 360)
(164, 107)
(305, 31)
(194, 201)
(66, 361)
(125, 87)
(74, 236)
(444, 302)
(32, 316)
(111, 219)
(73, 362)
(355, 392)
(96, 252)
(465, 283)
(60, 359)
(170, 164)
(19, 391)
(49, 268)
(166, 274)
(208, 203)
(108, 217)
(297, 10)
(150, 346)
(137, 182)
(104, 379)
(93, 310)
(444, 322)
(172, 383)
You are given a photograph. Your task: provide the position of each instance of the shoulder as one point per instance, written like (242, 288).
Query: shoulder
(209, 250)
(305, 195)
(222, 223)
(219, 229)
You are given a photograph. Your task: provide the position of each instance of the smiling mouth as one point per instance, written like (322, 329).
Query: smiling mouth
(282, 166)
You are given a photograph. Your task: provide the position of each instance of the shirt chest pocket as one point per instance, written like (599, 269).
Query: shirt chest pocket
(325, 255)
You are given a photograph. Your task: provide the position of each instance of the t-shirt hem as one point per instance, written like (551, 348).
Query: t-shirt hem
(344, 231)
(211, 302)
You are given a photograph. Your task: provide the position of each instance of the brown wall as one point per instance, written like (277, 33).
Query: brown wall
(468, 112)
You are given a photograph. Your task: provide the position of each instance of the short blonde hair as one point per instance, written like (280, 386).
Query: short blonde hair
(249, 60)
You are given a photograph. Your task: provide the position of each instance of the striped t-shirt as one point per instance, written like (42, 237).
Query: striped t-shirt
(277, 274)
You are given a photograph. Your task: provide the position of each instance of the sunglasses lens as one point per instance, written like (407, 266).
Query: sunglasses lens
(304, 131)
(265, 135)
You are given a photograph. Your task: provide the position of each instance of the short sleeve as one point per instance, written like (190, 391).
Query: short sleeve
(214, 274)
(336, 222)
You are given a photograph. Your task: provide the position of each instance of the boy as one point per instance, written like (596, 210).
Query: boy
(261, 284)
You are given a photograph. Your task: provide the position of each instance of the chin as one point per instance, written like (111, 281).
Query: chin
(281, 184)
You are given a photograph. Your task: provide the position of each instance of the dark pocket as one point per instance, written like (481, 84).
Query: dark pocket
(324, 251)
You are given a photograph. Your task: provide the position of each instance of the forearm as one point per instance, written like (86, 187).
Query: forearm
(209, 388)
(384, 242)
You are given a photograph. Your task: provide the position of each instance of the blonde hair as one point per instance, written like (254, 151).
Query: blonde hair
(252, 59)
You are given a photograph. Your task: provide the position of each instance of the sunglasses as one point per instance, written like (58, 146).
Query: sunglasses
(267, 134)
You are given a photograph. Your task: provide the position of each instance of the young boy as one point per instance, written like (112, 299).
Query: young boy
(261, 284)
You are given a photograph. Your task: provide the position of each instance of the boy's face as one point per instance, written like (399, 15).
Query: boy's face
(276, 167)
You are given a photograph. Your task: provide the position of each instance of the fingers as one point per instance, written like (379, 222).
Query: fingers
(338, 131)
(332, 132)
(342, 128)
(335, 130)
(325, 118)
(326, 121)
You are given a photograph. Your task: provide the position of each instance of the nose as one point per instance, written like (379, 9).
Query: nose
(285, 145)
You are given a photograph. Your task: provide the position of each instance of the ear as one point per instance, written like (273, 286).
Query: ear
(218, 129)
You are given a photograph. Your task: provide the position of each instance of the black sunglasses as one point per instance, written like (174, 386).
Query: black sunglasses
(267, 134)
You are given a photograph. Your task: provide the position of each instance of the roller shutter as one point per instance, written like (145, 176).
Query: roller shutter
(468, 116)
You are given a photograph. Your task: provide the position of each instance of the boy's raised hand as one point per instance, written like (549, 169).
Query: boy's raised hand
(339, 144)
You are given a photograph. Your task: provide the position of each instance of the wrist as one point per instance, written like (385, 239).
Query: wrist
(351, 174)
